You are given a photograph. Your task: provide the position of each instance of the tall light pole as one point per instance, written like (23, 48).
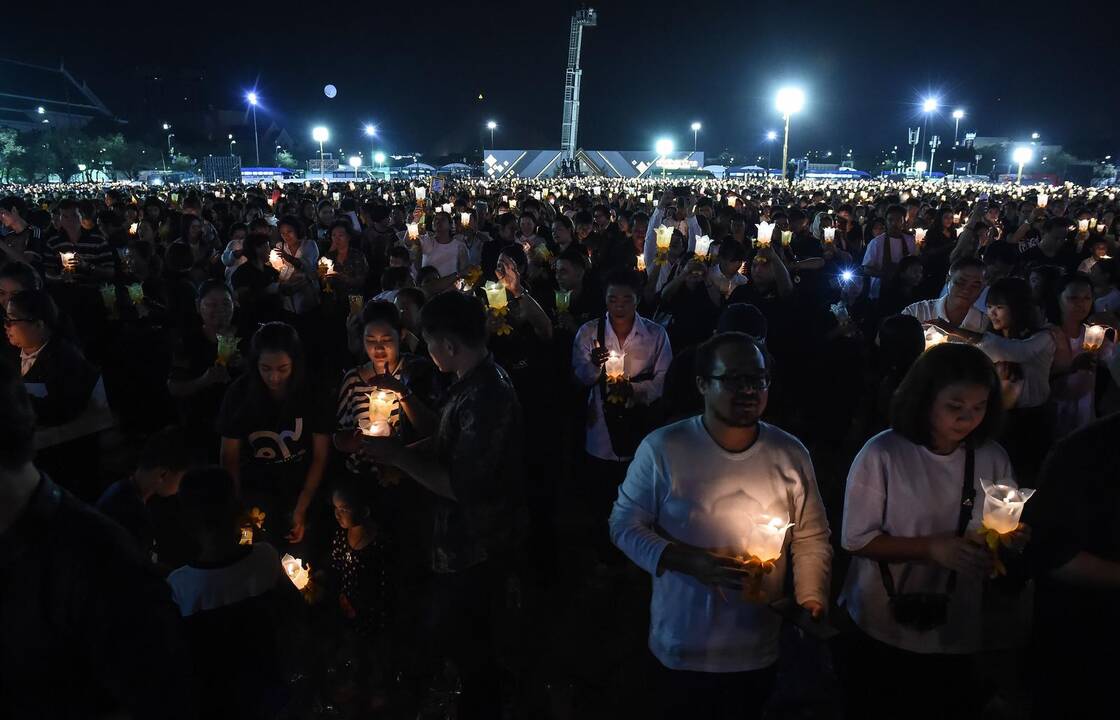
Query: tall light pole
(355, 163)
(695, 132)
(232, 142)
(379, 158)
(771, 136)
(252, 98)
(957, 115)
(789, 101)
(320, 135)
(929, 106)
(371, 132)
(663, 147)
(1022, 156)
(934, 143)
(491, 126)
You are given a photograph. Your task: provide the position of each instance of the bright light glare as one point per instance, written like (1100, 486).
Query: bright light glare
(371, 130)
(929, 104)
(958, 114)
(320, 134)
(379, 158)
(1022, 155)
(40, 110)
(491, 125)
(252, 98)
(355, 161)
(771, 135)
(695, 126)
(664, 146)
(790, 100)
(921, 166)
(847, 276)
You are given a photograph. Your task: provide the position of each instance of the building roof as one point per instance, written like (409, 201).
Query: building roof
(24, 88)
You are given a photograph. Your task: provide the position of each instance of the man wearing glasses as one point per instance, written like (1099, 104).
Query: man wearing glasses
(686, 515)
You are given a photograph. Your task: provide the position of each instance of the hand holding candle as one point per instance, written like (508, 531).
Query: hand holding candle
(1003, 506)
(1094, 338)
(765, 233)
(296, 572)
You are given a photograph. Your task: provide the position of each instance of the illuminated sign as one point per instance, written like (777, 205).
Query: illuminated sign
(673, 164)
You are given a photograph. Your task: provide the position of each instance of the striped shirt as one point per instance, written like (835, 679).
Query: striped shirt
(91, 249)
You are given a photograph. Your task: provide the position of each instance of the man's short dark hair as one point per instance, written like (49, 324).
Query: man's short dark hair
(934, 370)
(1055, 223)
(23, 274)
(1001, 252)
(576, 256)
(455, 314)
(625, 278)
(166, 449)
(17, 421)
(966, 262)
(14, 203)
(895, 209)
(706, 352)
(583, 218)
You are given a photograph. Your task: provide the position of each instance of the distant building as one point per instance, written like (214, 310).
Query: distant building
(601, 163)
(34, 96)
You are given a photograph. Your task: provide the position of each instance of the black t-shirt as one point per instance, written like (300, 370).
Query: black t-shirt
(1066, 257)
(120, 502)
(194, 354)
(255, 280)
(276, 439)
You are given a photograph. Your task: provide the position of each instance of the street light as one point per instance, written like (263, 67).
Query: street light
(920, 166)
(491, 126)
(40, 109)
(371, 131)
(957, 115)
(231, 144)
(252, 98)
(663, 147)
(790, 100)
(320, 135)
(355, 162)
(379, 158)
(771, 136)
(1022, 155)
(1034, 136)
(695, 131)
(929, 106)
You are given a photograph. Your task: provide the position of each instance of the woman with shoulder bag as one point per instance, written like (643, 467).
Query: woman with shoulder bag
(912, 507)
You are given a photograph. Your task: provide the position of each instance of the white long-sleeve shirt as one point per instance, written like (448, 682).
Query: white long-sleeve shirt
(649, 248)
(926, 310)
(1034, 354)
(683, 486)
(646, 348)
(902, 489)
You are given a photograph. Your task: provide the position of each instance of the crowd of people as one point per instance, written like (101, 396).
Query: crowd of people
(270, 450)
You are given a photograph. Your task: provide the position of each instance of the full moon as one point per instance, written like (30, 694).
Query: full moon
(330, 91)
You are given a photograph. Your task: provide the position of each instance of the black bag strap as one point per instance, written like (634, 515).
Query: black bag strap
(968, 496)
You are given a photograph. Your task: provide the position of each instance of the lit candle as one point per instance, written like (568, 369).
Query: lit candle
(133, 228)
(376, 428)
(135, 293)
(465, 219)
(109, 298)
(615, 367)
(1092, 223)
(421, 193)
(1083, 226)
(447, 208)
(496, 295)
(787, 237)
(357, 302)
(642, 263)
(326, 266)
(275, 260)
(1043, 199)
(703, 242)
(413, 230)
(513, 204)
(731, 200)
(1094, 338)
(767, 537)
(829, 236)
(956, 218)
(664, 237)
(295, 570)
(934, 336)
(1003, 506)
(765, 232)
(69, 261)
(381, 404)
(227, 346)
(919, 236)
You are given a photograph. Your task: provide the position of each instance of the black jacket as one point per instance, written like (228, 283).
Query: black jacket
(68, 379)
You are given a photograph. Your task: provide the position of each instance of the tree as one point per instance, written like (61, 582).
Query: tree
(286, 160)
(120, 155)
(10, 150)
(182, 162)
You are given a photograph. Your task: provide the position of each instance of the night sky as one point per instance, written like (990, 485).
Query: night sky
(650, 68)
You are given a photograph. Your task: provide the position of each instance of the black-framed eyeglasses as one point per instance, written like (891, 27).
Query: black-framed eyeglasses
(738, 381)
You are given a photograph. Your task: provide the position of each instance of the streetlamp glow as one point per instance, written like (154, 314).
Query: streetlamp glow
(355, 162)
(790, 100)
(379, 158)
(252, 98)
(695, 133)
(929, 105)
(1022, 156)
(958, 114)
(40, 109)
(320, 134)
(696, 127)
(371, 130)
(664, 146)
(491, 126)
(771, 136)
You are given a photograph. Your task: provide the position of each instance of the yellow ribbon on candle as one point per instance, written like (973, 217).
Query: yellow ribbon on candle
(993, 540)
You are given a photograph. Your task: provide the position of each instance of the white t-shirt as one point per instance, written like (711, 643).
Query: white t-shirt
(682, 485)
(926, 310)
(873, 255)
(1034, 355)
(196, 589)
(726, 284)
(902, 489)
(447, 258)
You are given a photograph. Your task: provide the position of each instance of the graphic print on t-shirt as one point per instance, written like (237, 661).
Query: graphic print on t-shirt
(271, 446)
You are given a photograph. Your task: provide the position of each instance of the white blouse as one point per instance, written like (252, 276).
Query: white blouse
(1034, 354)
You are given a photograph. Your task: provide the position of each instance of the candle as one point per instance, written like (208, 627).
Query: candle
(133, 228)
(496, 295)
(275, 260)
(135, 293)
(787, 237)
(731, 200)
(109, 298)
(829, 236)
(563, 300)
(447, 208)
(227, 346)
(703, 242)
(1043, 199)
(1094, 338)
(765, 232)
(376, 428)
(357, 302)
(381, 405)
(513, 204)
(1083, 226)
(919, 236)
(413, 230)
(642, 263)
(326, 267)
(69, 261)
(767, 537)
(421, 193)
(956, 218)
(1092, 223)
(1003, 505)
(664, 237)
(615, 366)
(934, 336)
(295, 570)
(465, 219)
